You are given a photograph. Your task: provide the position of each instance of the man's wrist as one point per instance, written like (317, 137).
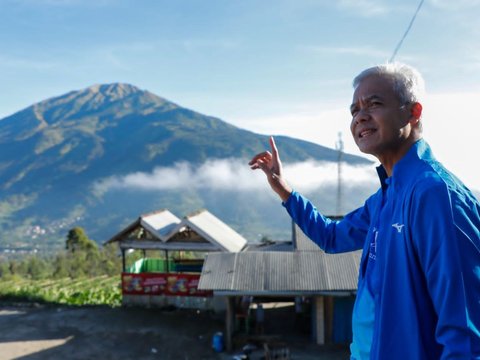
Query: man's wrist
(284, 193)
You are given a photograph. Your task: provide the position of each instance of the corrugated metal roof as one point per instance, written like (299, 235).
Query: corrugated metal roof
(274, 246)
(305, 244)
(160, 223)
(280, 272)
(302, 242)
(161, 228)
(213, 230)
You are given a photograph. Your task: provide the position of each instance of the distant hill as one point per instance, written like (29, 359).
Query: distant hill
(54, 152)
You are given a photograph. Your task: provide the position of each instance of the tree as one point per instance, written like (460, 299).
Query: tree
(266, 240)
(5, 270)
(78, 240)
(111, 262)
(60, 266)
(38, 268)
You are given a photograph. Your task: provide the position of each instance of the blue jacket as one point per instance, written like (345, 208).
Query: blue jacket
(427, 258)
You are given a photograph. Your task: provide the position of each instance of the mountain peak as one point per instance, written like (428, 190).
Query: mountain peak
(99, 94)
(114, 90)
(111, 100)
(100, 101)
(102, 96)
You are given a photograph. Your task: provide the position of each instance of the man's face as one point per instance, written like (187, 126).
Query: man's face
(380, 123)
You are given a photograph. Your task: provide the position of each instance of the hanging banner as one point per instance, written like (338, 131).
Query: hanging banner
(162, 284)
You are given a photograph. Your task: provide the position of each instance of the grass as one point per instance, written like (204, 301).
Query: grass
(101, 290)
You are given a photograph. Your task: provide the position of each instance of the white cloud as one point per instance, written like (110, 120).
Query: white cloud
(214, 174)
(233, 175)
(311, 175)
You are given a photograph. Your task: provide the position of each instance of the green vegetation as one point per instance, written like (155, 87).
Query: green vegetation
(77, 241)
(100, 290)
(83, 274)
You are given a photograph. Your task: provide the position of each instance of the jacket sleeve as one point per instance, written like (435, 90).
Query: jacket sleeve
(332, 236)
(434, 235)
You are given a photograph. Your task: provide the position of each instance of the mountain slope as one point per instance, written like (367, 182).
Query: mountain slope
(52, 153)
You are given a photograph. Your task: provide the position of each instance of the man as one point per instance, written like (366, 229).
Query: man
(419, 280)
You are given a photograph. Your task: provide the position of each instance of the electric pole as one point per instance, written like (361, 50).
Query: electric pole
(339, 148)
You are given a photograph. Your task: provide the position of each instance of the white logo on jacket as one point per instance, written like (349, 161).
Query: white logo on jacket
(398, 226)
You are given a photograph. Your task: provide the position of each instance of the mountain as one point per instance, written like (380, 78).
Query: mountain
(53, 153)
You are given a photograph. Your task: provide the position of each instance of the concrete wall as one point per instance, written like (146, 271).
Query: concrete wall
(185, 302)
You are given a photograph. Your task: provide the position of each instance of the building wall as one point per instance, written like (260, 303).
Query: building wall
(190, 302)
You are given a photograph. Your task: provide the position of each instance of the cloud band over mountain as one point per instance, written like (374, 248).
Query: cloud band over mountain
(234, 175)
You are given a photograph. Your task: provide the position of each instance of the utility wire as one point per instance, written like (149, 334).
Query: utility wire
(406, 32)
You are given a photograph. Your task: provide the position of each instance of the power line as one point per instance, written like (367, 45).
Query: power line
(406, 32)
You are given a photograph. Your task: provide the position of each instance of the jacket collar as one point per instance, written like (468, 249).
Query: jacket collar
(402, 170)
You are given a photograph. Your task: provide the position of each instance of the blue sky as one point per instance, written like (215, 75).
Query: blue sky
(274, 67)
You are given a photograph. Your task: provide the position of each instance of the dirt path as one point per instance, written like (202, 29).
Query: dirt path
(45, 332)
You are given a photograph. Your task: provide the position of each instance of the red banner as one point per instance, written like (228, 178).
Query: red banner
(162, 284)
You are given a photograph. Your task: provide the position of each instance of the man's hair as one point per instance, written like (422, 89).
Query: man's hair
(408, 83)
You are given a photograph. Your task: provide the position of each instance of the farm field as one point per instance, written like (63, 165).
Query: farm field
(100, 290)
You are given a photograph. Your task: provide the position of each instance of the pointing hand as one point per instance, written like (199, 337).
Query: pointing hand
(270, 164)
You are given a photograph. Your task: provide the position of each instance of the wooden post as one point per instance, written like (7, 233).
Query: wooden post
(329, 300)
(229, 323)
(124, 264)
(166, 256)
(320, 320)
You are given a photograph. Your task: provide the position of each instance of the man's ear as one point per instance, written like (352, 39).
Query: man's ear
(416, 110)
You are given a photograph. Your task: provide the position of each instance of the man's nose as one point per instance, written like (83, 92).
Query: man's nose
(361, 115)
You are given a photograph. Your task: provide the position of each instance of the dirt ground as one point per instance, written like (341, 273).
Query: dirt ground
(33, 332)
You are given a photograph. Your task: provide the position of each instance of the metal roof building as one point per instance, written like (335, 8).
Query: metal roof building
(157, 225)
(161, 230)
(280, 273)
(204, 225)
(171, 278)
(304, 271)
